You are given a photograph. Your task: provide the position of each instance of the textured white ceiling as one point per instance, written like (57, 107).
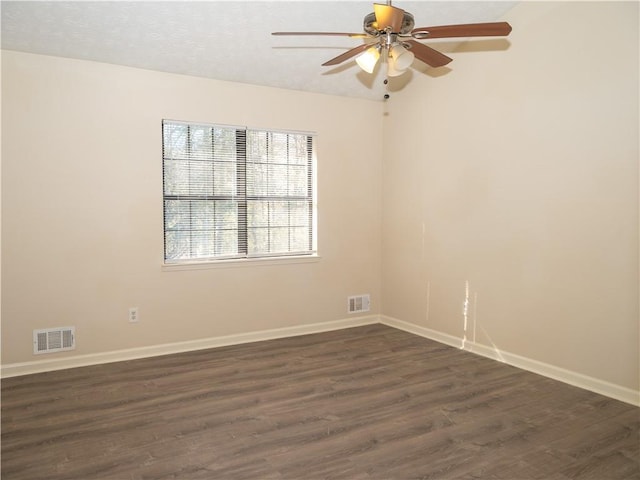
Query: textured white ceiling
(226, 40)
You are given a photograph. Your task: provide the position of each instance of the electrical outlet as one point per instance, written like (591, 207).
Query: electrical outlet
(134, 317)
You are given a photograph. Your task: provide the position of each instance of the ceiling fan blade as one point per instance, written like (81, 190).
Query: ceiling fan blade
(388, 16)
(347, 55)
(428, 55)
(338, 34)
(494, 29)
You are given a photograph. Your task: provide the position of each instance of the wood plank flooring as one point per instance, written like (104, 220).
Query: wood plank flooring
(364, 403)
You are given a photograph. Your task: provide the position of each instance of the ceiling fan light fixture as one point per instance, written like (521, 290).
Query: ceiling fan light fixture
(368, 59)
(402, 58)
(392, 71)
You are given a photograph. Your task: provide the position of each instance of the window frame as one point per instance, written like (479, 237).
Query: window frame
(245, 257)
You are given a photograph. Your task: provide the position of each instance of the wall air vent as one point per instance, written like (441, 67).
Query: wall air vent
(358, 303)
(52, 340)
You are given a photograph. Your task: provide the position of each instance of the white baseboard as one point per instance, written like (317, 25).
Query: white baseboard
(61, 363)
(422, 331)
(572, 378)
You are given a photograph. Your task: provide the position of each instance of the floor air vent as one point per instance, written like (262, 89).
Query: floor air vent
(53, 340)
(358, 303)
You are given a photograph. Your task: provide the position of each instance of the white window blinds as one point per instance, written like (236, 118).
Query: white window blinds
(231, 192)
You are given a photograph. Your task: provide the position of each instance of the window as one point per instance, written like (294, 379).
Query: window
(232, 192)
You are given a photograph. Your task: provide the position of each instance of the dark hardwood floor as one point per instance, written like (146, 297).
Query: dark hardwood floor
(362, 403)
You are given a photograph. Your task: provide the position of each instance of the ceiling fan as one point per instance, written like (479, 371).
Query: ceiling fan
(390, 35)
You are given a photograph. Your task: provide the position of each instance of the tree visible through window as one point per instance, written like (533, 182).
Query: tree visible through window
(231, 192)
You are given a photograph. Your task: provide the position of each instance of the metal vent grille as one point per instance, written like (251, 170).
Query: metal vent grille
(54, 340)
(358, 303)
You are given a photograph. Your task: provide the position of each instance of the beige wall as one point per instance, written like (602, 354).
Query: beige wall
(82, 208)
(519, 175)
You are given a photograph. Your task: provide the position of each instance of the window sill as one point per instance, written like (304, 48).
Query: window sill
(243, 262)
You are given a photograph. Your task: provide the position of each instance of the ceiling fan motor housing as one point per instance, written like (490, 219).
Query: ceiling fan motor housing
(370, 21)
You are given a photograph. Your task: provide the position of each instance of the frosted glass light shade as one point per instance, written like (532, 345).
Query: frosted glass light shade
(402, 58)
(368, 59)
(393, 72)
